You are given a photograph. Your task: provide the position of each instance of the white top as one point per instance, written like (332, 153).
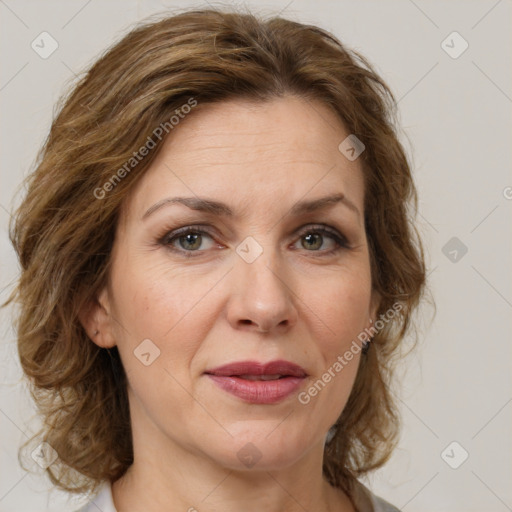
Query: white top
(364, 499)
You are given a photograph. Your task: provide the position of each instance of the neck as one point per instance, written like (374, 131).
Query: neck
(227, 490)
(169, 475)
(179, 480)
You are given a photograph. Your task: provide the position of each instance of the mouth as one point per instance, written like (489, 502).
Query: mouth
(264, 371)
(260, 377)
(259, 383)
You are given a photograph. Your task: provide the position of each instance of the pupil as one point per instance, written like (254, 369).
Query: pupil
(190, 239)
(318, 238)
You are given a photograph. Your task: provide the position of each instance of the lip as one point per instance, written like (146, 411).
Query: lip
(229, 378)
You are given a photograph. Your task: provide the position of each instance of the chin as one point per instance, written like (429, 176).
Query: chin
(259, 445)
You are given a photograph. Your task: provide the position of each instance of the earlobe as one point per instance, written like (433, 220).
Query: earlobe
(96, 320)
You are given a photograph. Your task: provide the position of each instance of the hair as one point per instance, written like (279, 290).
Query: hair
(64, 229)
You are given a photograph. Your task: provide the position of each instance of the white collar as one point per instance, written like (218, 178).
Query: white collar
(103, 500)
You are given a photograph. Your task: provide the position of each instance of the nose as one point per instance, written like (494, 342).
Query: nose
(261, 296)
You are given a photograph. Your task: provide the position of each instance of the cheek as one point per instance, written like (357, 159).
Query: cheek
(168, 309)
(343, 306)
(163, 305)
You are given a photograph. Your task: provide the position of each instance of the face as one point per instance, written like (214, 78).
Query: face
(251, 278)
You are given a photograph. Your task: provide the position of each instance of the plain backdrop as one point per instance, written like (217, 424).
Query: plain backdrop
(455, 453)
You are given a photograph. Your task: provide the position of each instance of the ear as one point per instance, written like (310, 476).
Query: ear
(96, 319)
(374, 306)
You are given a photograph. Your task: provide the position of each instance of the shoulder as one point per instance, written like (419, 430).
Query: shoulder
(102, 500)
(366, 501)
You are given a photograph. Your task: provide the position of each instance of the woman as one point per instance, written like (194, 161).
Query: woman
(218, 267)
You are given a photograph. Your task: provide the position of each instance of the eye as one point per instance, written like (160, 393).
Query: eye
(196, 239)
(313, 238)
(188, 240)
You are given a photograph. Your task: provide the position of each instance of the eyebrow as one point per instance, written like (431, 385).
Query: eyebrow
(221, 209)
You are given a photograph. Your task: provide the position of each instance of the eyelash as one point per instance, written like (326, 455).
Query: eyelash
(168, 238)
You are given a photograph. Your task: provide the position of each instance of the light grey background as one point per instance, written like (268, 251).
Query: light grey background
(455, 115)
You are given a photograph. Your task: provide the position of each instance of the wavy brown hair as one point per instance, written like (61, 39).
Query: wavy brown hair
(63, 234)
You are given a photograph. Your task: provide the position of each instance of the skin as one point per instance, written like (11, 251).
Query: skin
(294, 302)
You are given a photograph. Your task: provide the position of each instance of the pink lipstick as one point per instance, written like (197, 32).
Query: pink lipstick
(259, 383)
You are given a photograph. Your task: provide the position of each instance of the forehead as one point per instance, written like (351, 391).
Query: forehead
(252, 155)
